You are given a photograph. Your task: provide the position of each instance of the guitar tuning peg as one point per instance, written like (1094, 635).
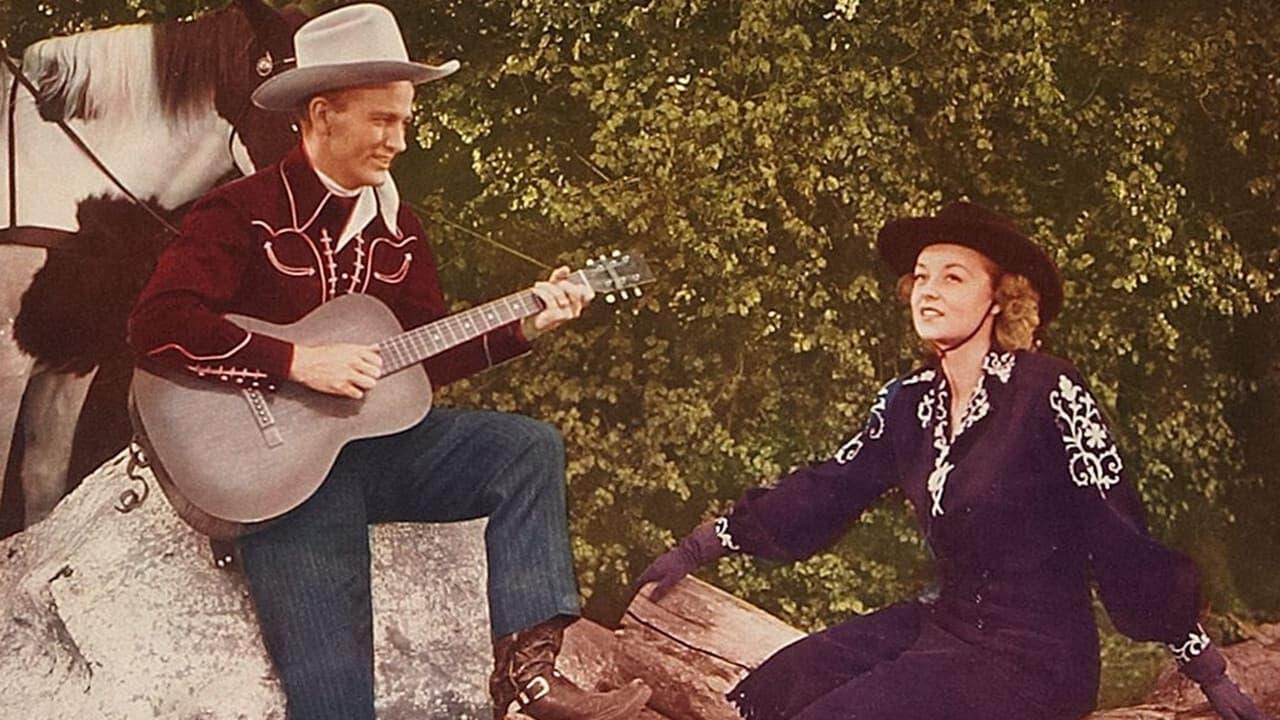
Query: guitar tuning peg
(590, 262)
(610, 298)
(639, 292)
(616, 253)
(623, 294)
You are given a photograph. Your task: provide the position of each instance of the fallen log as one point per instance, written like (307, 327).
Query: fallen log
(700, 641)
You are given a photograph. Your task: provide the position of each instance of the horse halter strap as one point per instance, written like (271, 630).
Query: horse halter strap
(20, 77)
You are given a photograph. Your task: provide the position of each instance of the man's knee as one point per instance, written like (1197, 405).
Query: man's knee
(546, 441)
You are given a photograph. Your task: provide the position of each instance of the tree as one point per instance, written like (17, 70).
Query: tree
(752, 149)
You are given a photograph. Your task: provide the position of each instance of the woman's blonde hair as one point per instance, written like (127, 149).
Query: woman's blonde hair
(1019, 316)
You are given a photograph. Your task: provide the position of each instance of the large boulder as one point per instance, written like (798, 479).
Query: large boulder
(111, 614)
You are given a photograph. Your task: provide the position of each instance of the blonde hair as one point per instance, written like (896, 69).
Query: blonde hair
(1019, 317)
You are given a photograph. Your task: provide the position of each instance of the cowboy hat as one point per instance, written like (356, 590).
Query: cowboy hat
(352, 45)
(973, 226)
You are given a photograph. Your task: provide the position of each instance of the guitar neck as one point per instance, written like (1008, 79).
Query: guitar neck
(414, 346)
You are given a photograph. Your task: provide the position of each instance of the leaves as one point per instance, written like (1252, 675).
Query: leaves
(752, 150)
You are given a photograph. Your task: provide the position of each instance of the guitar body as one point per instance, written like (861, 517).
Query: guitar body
(227, 461)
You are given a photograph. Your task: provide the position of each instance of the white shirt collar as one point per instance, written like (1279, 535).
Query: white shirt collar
(371, 200)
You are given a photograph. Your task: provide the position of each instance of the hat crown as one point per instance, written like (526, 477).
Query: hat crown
(963, 212)
(355, 33)
(352, 45)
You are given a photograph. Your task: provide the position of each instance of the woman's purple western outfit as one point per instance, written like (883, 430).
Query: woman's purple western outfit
(1021, 507)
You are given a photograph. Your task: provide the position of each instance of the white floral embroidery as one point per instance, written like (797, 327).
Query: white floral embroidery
(872, 431)
(1000, 365)
(930, 410)
(722, 532)
(977, 408)
(925, 375)
(942, 468)
(1091, 454)
(938, 483)
(1196, 643)
(850, 449)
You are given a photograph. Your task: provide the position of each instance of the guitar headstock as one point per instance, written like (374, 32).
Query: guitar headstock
(617, 275)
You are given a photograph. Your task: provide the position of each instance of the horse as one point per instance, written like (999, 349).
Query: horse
(165, 110)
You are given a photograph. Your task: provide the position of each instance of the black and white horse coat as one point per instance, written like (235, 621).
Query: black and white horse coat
(157, 104)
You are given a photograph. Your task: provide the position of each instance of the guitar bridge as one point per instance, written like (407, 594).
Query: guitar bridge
(263, 417)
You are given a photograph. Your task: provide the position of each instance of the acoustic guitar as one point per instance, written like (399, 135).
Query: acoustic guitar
(230, 458)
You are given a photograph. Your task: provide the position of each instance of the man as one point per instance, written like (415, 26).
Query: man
(324, 222)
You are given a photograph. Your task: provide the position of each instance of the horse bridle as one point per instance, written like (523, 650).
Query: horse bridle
(265, 67)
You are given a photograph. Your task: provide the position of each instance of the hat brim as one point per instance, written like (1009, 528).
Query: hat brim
(901, 241)
(290, 88)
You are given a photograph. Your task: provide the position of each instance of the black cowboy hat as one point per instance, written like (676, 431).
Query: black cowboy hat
(973, 226)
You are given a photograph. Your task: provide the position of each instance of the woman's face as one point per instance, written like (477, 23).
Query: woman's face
(951, 292)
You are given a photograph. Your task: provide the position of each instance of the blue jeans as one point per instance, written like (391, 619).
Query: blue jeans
(309, 570)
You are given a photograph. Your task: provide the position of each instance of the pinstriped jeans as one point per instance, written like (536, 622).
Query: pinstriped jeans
(309, 571)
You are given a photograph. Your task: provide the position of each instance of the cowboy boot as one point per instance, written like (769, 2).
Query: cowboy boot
(524, 673)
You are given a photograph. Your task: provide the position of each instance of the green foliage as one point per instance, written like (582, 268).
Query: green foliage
(752, 149)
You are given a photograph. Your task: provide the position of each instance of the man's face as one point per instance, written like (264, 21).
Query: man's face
(360, 130)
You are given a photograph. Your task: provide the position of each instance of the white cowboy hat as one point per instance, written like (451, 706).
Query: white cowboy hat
(352, 45)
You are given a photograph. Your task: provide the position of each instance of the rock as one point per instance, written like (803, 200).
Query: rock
(108, 614)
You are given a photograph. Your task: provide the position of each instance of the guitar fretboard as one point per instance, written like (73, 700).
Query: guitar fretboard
(414, 346)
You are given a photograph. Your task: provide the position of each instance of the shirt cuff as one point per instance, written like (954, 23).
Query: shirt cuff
(1198, 658)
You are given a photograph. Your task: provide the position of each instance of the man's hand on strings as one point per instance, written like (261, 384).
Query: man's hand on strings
(342, 369)
(563, 299)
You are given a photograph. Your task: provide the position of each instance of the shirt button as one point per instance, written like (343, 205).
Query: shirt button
(980, 624)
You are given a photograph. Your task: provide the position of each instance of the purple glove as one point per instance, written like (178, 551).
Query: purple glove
(698, 548)
(1208, 670)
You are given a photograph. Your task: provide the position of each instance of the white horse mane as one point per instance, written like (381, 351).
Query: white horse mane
(169, 69)
(100, 75)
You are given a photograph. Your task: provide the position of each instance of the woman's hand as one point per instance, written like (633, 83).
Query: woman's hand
(1209, 670)
(698, 548)
(1230, 702)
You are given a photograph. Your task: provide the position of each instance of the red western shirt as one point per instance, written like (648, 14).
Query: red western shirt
(266, 246)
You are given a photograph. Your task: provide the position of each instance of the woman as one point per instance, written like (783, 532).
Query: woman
(1020, 493)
